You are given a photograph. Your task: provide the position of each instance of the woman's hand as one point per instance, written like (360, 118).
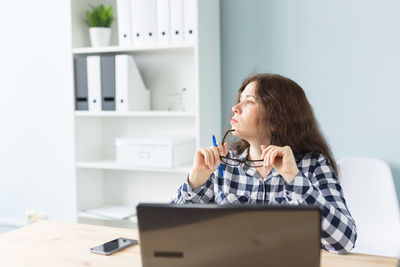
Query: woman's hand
(205, 162)
(282, 160)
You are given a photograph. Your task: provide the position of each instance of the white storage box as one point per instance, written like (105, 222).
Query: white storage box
(155, 152)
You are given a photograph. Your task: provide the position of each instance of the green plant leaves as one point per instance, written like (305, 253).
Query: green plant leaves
(100, 16)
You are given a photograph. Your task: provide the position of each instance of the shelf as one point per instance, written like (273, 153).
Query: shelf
(87, 215)
(112, 165)
(118, 49)
(135, 114)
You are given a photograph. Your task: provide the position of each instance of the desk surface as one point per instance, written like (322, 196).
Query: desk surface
(49, 243)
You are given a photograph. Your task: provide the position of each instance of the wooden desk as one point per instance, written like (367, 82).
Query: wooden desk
(52, 244)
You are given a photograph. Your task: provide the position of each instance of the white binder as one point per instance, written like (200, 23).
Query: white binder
(124, 22)
(163, 29)
(94, 83)
(143, 22)
(131, 93)
(189, 21)
(150, 23)
(176, 21)
(137, 27)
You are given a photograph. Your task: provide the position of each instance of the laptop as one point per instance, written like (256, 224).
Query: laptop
(224, 235)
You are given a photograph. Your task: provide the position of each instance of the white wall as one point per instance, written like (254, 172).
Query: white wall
(36, 111)
(345, 55)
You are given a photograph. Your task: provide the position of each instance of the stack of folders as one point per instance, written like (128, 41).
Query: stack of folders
(146, 22)
(109, 82)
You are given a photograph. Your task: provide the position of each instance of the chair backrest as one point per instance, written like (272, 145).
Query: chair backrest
(372, 201)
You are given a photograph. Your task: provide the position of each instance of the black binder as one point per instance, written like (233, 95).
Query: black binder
(108, 82)
(81, 83)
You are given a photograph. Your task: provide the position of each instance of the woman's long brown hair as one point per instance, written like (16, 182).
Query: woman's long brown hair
(288, 116)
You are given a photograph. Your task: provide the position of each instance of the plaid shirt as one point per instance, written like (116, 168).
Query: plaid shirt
(316, 184)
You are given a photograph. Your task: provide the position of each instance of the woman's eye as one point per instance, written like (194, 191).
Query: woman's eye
(249, 102)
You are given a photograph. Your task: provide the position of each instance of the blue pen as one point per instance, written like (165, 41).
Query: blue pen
(219, 167)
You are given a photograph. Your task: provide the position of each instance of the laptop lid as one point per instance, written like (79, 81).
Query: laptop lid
(237, 235)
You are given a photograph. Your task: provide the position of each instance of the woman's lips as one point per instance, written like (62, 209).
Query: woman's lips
(234, 120)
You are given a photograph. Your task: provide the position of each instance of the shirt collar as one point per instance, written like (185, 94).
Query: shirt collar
(251, 171)
(243, 155)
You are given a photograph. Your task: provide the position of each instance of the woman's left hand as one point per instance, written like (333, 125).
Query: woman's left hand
(281, 159)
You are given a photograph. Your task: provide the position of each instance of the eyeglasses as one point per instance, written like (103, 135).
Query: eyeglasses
(236, 162)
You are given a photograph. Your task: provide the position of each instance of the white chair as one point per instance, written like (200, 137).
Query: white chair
(371, 198)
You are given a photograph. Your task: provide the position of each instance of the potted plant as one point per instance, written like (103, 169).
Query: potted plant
(99, 19)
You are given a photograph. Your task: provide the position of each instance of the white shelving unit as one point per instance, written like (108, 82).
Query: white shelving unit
(100, 220)
(165, 69)
(135, 114)
(113, 165)
(117, 49)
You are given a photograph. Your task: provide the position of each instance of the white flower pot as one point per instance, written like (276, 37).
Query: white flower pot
(100, 36)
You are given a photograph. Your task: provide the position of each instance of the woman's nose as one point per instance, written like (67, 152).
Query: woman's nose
(236, 108)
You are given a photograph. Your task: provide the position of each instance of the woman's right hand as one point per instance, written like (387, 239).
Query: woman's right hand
(205, 162)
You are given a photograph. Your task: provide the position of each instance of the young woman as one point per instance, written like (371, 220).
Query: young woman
(281, 158)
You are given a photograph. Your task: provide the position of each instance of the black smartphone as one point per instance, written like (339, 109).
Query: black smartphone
(113, 246)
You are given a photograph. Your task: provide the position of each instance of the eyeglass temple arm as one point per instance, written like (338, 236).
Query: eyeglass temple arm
(223, 139)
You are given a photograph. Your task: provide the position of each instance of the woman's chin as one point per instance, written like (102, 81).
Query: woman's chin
(236, 132)
(240, 134)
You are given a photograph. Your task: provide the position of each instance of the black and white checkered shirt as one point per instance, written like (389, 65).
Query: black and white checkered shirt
(316, 184)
